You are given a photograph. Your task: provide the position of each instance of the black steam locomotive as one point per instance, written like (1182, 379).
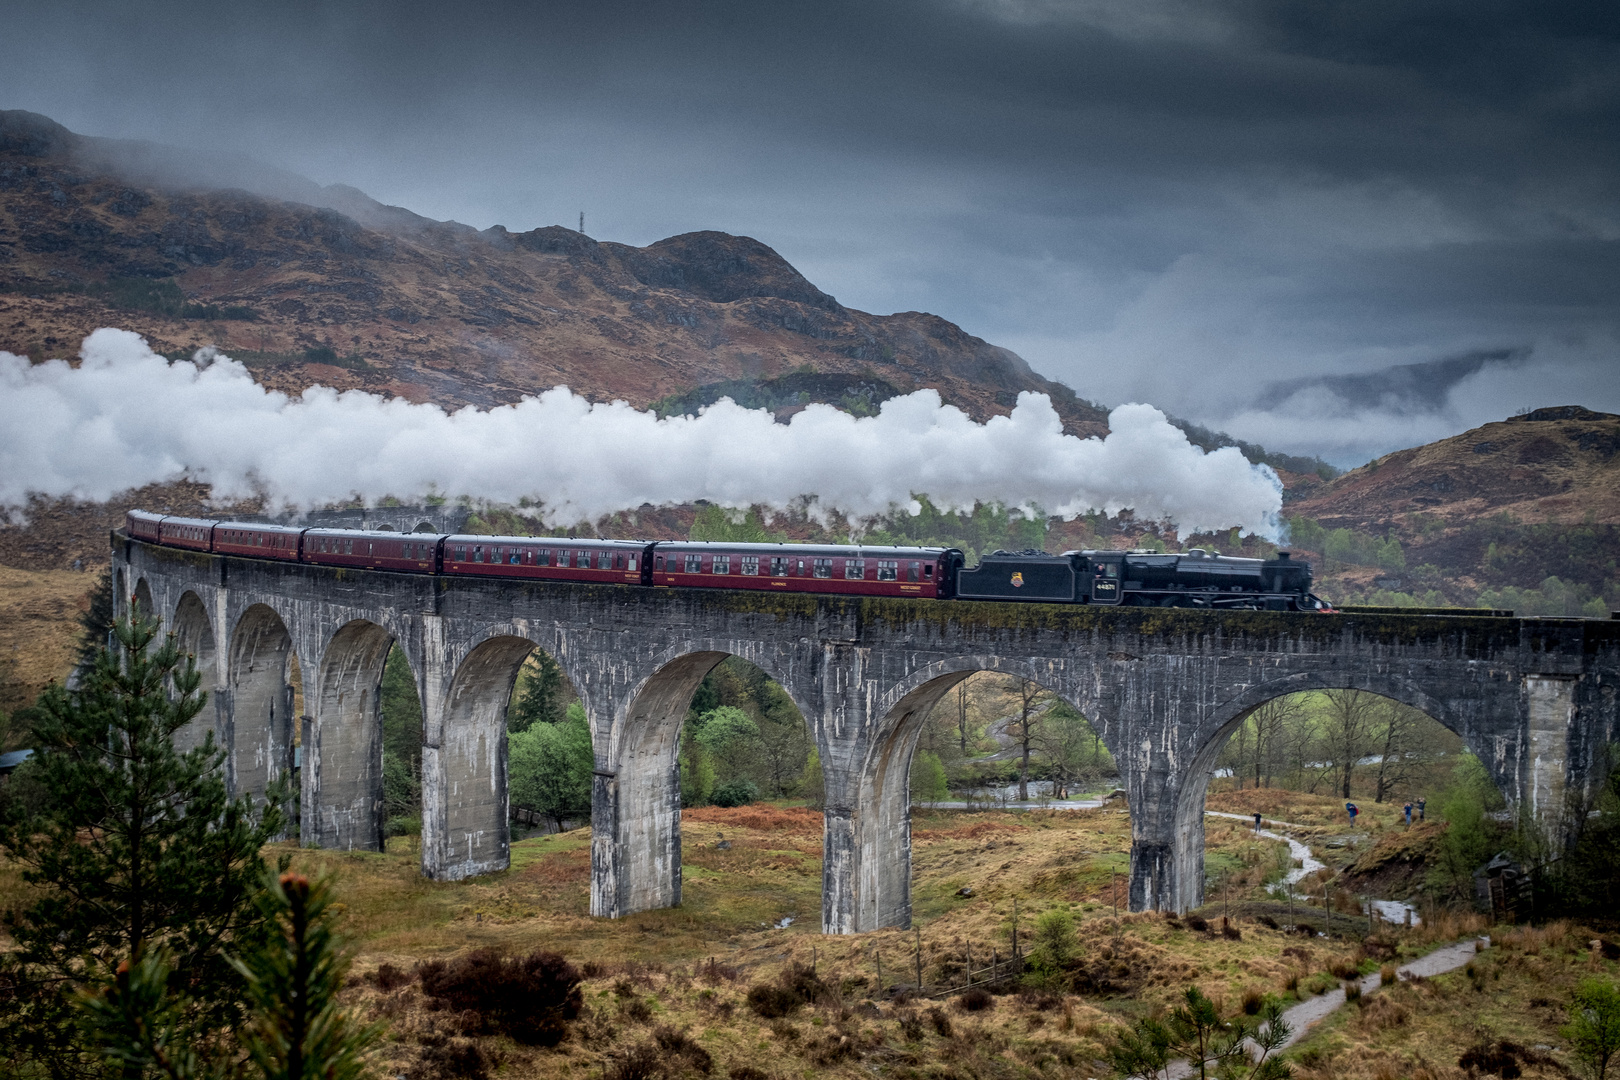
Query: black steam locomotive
(1194, 579)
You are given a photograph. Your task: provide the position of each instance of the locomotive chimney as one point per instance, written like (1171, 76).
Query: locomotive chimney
(1282, 556)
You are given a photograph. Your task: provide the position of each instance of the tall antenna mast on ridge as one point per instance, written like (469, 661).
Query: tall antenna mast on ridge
(582, 221)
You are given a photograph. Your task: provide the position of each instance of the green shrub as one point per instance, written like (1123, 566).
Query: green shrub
(738, 792)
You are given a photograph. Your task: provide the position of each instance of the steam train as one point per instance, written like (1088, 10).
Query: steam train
(1194, 579)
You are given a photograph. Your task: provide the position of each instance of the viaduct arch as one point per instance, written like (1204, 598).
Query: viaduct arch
(1534, 698)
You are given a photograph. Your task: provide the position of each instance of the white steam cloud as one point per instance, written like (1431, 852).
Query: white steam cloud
(127, 417)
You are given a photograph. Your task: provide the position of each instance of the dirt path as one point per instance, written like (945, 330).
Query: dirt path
(1301, 1017)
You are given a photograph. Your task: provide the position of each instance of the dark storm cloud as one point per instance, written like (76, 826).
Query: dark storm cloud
(1178, 202)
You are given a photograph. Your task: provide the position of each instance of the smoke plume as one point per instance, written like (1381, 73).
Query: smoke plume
(127, 417)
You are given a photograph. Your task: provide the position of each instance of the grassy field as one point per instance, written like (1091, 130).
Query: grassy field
(674, 983)
(39, 630)
(688, 969)
(1502, 1013)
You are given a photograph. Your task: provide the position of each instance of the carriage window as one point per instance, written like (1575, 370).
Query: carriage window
(722, 565)
(348, 547)
(779, 566)
(750, 565)
(542, 557)
(659, 565)
(583, 560)
(515, 558)
(633, 561)
(562, 558)
(855, 569)
(823, 568)
(694, 564)
(911, 571)
(888, 570)
(800, 569)
(604, 560)
(618, 561)
(928, 570)
(478, 553)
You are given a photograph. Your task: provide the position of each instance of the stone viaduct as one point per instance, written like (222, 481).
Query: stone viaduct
(1533, 698)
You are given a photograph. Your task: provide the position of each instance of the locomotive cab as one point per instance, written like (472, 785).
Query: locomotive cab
(1100, 577)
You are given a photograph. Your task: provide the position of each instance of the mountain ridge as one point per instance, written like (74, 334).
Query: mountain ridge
(438, 311)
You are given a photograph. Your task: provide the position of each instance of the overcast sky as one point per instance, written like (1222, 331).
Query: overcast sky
(1242, 212)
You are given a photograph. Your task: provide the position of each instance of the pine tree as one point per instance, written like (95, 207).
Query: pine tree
(96, 621)
(135, 847)
(543, 697)
(294, 1028)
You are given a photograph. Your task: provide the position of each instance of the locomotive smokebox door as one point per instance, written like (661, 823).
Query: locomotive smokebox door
(1022, 575)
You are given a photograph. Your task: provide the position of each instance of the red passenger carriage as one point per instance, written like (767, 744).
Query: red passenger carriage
(554, 558)
(143, 525)
(371, 550)
(196, 533)
(864, 571)
(259, 541)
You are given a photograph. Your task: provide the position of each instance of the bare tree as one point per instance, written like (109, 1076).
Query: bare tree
(1300, 751)
(1348, 726)
(1410, 744)
(1062, 739)
(1033, 700)
(1271, 722)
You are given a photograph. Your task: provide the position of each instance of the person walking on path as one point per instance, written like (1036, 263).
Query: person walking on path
(1351, 809)
(1257, 821)
(1420, 807)
(1408, 809)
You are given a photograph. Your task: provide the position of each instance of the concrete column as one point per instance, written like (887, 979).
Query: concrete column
(840, 910)
(607, 871)
(345, 759)
(433, 680)
(1550, 708)
(636, 798)
(879, 880)
(309, 782)
(1167, 831)
(469, 761)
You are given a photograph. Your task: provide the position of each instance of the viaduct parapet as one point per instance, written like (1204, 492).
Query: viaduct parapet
(1533, 698)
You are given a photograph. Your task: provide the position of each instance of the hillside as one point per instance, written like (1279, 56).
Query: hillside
(344, 291)
(1521, 514)
(1550, 465)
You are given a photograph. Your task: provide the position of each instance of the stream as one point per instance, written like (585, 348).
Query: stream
(1390, 911)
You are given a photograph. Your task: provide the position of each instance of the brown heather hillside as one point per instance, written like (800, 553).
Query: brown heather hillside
(1487, 517)
(1550, 465)
(436, 311)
